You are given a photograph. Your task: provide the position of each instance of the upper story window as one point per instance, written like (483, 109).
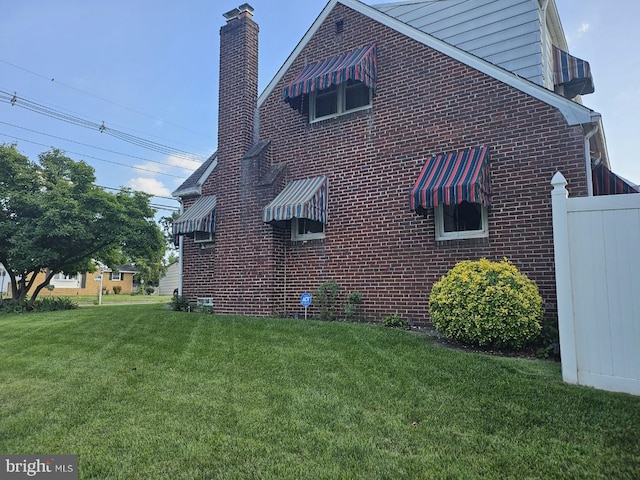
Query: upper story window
(339, 99)
(336, 85)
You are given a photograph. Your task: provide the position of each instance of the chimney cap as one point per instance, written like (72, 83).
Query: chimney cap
(231, 14)
(245, 7)
(236, 12)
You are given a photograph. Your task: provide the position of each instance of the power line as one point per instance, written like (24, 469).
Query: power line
(154, 196)
(100, 98)
(35, 107)
(103, 149)
(94, 158)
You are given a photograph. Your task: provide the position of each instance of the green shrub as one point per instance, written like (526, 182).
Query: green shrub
(326, 298)
(548, 342)
(52, 304)
(117, 289)
(9, 305)
(354, 299)
(149, 289)
(486, 303)
(180, 303)
(394, 321)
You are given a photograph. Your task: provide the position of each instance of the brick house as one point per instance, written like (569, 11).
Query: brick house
(395, 141)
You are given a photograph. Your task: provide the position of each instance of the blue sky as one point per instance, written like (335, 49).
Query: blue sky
(149, 69)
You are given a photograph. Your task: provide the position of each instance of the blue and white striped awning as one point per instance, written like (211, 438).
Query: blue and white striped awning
(199, 217)
(306, 198)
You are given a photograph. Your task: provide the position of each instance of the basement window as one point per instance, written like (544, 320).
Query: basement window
(337, 100)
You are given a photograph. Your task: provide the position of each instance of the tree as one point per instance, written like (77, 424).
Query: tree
(166, 225)
(53, 218)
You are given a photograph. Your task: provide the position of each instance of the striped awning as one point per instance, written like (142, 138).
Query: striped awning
(305, 198)
(605, 182)
(573, 73)
(199, 217)
(359, 64)
(451, 178)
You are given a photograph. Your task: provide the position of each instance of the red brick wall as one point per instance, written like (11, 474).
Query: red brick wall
(425, 103)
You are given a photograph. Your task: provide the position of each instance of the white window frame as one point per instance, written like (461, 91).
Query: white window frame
(297, 237)
(61, 276)
(116, 276)
(61, 280)
(341, 100)
(442, 235)
(206, 238)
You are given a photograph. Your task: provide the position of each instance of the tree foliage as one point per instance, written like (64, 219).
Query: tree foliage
(53, 218)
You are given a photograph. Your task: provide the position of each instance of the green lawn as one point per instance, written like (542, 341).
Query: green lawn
(141, 392)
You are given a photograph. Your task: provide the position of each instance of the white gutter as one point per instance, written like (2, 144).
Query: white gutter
(544, 44)
(587, 160)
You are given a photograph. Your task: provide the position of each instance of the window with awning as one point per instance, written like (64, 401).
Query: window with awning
(451, 178)
(198, 221)
(605, 182)
(457, 186)
(333, 74)
(571, 74)
(304, 203)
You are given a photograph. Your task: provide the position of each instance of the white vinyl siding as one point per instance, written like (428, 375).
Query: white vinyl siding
(503, 32)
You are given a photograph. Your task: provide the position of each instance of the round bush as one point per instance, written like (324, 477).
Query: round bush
(486, 303)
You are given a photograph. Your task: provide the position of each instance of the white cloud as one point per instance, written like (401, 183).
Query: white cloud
(184, 166)
(183, 163)
(149, 185)
(582, 29)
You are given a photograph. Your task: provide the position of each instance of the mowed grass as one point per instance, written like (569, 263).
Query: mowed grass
(141, 392)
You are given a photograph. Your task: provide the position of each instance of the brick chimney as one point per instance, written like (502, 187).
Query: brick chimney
(238, 88)
(226, 273)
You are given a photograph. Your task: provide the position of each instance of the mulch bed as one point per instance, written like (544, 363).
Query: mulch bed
(432, 333)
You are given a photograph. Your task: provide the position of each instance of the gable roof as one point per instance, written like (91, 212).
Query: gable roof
(574, 113)
(193, 184)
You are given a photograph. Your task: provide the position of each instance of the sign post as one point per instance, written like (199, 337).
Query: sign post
(305, 301)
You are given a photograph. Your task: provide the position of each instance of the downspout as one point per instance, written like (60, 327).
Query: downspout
(544, 40)
(587, 159)
(180, 255)
(180, 264)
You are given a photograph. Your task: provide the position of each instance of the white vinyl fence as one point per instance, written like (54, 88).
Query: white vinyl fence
(597, 260)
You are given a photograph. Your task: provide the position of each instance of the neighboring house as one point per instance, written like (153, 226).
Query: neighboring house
(89, 283)
(394, 142)
(169, 282)
(4, 282)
